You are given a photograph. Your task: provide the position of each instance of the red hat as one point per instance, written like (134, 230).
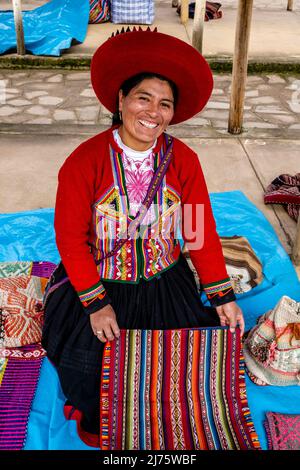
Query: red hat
(132, 52)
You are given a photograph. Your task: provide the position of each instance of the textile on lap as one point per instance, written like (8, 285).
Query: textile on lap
(175, 390)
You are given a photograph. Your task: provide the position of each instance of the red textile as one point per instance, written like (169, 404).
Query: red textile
(283, 431)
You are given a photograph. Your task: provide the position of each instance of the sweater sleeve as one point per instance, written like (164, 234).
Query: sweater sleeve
(72, 222)
(199, 233)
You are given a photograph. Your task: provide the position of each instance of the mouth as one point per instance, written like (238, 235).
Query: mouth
(148, 124)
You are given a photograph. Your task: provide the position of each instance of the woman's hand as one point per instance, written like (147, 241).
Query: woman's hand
(231, 314)
(104, 324)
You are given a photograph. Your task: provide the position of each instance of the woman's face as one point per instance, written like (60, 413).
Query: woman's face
(146, 112)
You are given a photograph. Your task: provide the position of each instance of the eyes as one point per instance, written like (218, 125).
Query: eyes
(163, 104)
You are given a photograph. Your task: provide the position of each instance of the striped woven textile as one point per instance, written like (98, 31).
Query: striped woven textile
(99, 11)
(175, 390)
(19, 374)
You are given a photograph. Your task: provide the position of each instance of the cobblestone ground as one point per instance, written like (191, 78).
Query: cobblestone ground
(55, 96)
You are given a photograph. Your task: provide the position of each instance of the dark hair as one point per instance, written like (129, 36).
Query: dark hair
(132, 82)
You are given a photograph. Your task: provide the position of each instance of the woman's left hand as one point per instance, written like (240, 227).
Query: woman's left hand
(231, 314)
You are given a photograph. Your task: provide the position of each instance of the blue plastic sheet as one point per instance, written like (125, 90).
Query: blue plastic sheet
(49, 29)
(30, 236)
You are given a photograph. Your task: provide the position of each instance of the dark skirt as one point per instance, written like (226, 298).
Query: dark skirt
(168, 301)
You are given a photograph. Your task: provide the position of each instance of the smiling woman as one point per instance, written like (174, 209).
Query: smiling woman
(145, 110)
(121, 204)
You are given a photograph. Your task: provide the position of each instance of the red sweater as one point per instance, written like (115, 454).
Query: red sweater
(89, 201)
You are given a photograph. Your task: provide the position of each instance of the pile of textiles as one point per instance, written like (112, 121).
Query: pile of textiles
(211, 10)
(272, 347)
(243, 266)
(285, 190)
(22, 286)
(178, 389)
(283, 431)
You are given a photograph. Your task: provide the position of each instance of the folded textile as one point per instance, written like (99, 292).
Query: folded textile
(243, 266)
(285, 189)
(99, 11)
(272, 347)
(175, 390)
(19, 374)
(283, 431)
(22, 287)
(211, 11)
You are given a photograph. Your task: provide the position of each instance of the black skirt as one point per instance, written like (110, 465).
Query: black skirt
(168, 301)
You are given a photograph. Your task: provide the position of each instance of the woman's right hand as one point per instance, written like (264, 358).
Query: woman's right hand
(104, 324)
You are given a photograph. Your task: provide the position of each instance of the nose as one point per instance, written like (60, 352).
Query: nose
(153, 108)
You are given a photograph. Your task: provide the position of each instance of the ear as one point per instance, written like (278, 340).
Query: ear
(121, 97)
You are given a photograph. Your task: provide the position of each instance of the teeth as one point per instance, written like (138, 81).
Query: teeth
(150, 125)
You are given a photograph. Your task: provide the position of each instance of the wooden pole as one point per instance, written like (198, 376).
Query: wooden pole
(17, 6)
(239, 66)
(198, 26)
(290, 5)
(184, 11)
(296, 246)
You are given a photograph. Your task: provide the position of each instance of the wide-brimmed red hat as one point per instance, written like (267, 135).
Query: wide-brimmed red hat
(124, 55)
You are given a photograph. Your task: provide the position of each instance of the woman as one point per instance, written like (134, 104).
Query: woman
(116, 273)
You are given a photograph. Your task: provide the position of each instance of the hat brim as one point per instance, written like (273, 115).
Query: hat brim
(131, 53)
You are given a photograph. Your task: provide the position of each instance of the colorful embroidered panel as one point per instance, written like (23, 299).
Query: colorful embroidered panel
(19, 374)
(283, 431)
(175, 390)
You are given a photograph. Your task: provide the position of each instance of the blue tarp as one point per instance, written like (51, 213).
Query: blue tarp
(30, 236)
(49, 29)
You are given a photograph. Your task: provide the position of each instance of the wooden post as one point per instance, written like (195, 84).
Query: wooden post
(239, 66)
(290, 5)
(184, 11)
(198, 25)
(296, 246)
(17, 6)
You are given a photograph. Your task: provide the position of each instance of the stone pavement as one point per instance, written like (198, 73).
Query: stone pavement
(55, 97)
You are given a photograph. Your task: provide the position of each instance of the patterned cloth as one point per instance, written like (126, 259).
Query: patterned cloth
(22, 287)
(283, 431)
(272, 347)
(19, 374)
(99, 11)
(132, 11)
(285, 189)
(138, 169)
(242, 264)
(173, 390)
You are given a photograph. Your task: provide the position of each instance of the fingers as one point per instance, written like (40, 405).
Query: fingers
(241, 323)
(232, 316)
(108, 332)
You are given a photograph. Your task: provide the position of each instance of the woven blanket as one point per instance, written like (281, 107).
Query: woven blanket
(175, 390)
(283, 431)
(19, 374)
